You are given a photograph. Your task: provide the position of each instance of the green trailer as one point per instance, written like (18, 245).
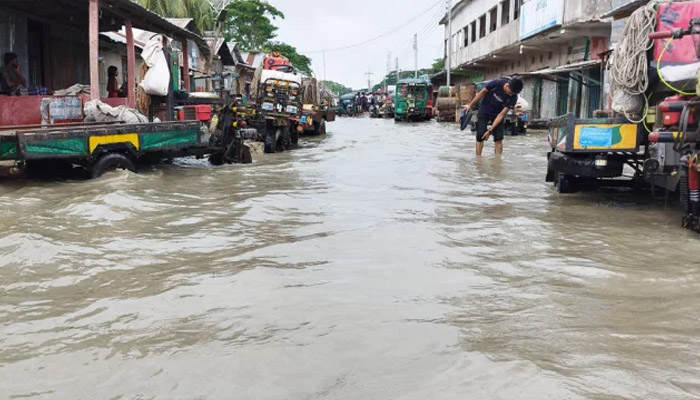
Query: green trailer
(98, 148)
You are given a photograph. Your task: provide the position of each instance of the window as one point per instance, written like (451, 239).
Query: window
(466, 36)
(493, 19)
(482, 26)
(516, 9)
(473, 29)
(505, 14)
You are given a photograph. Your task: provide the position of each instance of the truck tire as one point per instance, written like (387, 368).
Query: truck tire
(285, 138)
(565, 184)
(271, 138)
(111, 162)
(295, 137)
(217, 159)
(684, 190)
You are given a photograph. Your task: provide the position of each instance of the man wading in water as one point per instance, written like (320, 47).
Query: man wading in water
(500, 96)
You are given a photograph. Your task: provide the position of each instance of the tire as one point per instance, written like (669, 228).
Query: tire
(684, 190)
(217, 159)
(317, 128)
(551, 174)
(295, 137)
(565, 184)
(271, 141)
(247, 156)
(111, 162)
(284, 138)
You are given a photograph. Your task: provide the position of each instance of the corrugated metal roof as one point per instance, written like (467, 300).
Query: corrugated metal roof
(253, 58)
(120, 37)
(76, 16)
(181, 22)
(577, 66)
(217, 46)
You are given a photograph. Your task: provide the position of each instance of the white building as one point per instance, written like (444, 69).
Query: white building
(554, 45)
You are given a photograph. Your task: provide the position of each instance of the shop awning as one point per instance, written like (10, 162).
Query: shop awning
(573, 67)
(625, 10)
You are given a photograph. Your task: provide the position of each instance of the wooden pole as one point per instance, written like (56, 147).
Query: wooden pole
(94, 18)
(130, 65)
(185, 64)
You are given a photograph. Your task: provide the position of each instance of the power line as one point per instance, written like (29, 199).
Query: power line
(374, 39)
(431, 25)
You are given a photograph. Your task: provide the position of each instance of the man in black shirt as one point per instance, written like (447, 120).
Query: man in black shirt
(499, 97)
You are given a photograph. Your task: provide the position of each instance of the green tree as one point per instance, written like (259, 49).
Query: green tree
(337, 88)
(199, 10)
(249, 22)
(300, 61)
(438, 66)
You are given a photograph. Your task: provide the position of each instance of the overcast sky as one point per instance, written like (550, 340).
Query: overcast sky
(314, 25)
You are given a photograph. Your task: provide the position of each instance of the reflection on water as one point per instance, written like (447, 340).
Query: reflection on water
(381, 262)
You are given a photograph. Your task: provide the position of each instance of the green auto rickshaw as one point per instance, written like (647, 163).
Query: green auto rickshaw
(346, 106)
(413, 100)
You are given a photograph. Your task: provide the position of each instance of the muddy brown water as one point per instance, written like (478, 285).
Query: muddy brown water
(380, 262)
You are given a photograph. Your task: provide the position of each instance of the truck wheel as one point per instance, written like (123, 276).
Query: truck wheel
(295, 137)
(565, 184)
(684, 190)
(111, 162)
(285, 137)
(247, 156)
(271, 140)
(217, 159)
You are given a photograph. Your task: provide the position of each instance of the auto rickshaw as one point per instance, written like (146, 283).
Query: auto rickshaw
(347, 104)
(412, 98)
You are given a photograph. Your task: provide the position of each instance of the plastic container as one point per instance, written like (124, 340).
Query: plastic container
(196, 113)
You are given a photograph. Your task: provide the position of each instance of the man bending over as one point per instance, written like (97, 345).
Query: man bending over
(499, 97)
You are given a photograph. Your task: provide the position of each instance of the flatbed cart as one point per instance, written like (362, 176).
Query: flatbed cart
(100, 147)
(593, 152)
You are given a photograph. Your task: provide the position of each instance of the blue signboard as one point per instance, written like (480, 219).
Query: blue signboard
(592, 136)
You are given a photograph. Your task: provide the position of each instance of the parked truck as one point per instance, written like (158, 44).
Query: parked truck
(318, 108)
(658, 149)
(278, 103)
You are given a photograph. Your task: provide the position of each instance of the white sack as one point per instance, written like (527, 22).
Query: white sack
(97, 111)
(157, 78)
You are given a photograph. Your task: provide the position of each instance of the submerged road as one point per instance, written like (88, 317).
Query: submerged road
(380, 262)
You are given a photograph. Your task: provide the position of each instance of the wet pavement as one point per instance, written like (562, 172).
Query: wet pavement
(380, 262)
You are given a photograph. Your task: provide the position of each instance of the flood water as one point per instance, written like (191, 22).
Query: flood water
(380, 262)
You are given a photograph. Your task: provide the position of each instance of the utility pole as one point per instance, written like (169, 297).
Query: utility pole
(449, 40)
(415, 51)
(369, 74)
(398, 72)
(324, 67)
(388, 73)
